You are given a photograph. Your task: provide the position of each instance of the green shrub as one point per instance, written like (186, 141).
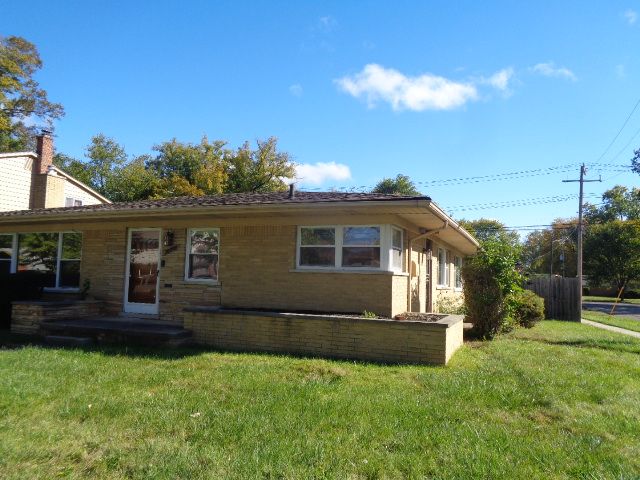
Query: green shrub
(490, 277)
(527, 308)
(483, 298)
(368, 314)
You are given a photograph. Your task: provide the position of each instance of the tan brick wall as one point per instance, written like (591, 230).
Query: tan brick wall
(335, 337)
(256, 266)
(26, 317)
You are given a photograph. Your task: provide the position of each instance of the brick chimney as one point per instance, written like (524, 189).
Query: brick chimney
(44, 150)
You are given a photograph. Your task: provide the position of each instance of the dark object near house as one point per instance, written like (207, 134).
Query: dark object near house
(19, 286)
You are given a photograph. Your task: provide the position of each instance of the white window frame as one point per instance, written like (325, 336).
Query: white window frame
(13, 261)
(57, 288)
(443, 268)
(385, 248)
(392, 249)
(457, 264)
(209, 281)
(59, 261)
(73, 201)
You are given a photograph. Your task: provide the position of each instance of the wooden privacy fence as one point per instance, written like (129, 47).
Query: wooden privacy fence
(561, 296)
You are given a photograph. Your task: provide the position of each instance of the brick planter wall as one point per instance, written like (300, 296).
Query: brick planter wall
(26, 316)
(380, 340)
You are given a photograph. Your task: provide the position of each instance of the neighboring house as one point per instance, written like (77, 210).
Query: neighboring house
(291, 251)
(30, 181)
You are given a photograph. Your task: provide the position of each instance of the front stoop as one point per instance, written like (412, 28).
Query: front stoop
(109, 330)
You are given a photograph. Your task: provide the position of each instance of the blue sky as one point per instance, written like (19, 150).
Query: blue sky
(433, 90)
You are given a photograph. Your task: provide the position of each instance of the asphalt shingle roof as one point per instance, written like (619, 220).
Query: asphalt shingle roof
(271, 198)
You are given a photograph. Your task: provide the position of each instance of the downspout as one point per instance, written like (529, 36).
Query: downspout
(419, 237)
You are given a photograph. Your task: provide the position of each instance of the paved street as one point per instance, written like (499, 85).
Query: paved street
(624, 309)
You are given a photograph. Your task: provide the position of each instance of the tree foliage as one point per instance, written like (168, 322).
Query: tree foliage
(618, 203)
(561, 240)
(612, 252)
(486, 229)
(23, 104)
(635, 161)
(179, 169)
(401, 185)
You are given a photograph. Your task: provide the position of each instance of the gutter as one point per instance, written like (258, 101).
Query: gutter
(419, 237)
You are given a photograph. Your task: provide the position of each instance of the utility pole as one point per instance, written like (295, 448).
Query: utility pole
(583, 171)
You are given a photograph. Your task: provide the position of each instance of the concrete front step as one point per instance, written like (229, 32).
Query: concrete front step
(119, 330)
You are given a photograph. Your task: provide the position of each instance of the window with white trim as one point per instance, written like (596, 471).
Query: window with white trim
(458, 271)
(397, 249)
(443, 270)
(72, 202)
(56, 255)
(6, 253)
(361, 247)
(203, 251)
(348, 247)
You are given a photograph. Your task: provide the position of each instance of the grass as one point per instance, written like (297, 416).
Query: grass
(557, 401)
(613, 320)
(591, 298)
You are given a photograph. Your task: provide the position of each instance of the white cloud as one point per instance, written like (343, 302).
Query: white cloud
(425, 92)
(320, 172)
(550, 70)
(327, 23)
(631, 16)
(501, 79)
(296, 90)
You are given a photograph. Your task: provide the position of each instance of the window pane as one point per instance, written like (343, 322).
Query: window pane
(361, 257)
(68, 202)
(69, 273)
(71, 246)
(317, 236)
(6, 244)
(38, 252)
(203, 267)
(77, 203)
(361, 236)
(318, 256)
(396, 259)
(204, 241)
(397, 239)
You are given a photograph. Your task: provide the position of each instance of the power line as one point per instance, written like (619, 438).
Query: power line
(612, 167)
(619, 131)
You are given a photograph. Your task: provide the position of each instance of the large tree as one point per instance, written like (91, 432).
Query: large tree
(401, 185)
(612, 252)
(618, 203)
(264, 169)
(487, 229)
(557, 243)
(24, 106)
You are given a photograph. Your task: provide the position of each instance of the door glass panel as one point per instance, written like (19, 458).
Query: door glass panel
(143, 266)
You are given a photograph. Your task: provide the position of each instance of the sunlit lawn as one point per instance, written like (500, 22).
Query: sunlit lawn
(614, 320)
(588, 298)
(557, 401)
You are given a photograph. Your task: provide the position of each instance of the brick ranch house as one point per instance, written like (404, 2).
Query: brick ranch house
(181, 258)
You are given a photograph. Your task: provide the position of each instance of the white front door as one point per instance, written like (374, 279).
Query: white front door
(143, 265)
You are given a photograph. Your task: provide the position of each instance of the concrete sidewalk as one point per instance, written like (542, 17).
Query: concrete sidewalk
(624, 331)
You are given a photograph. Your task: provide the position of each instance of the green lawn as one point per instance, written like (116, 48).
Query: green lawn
(557, 401)
(614, 320)
(589, 298)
